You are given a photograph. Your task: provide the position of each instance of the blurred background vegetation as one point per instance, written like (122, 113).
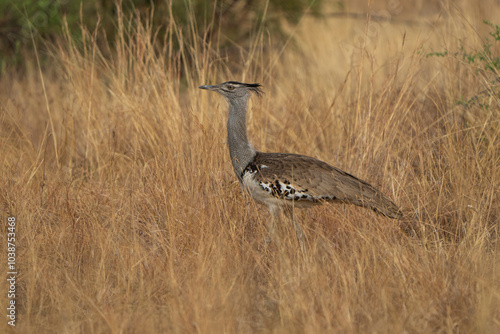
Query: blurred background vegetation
(24, 22)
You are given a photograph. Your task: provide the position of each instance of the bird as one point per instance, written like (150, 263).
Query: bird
(284, 181)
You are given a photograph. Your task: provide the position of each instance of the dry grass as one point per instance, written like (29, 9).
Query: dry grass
(131, 221)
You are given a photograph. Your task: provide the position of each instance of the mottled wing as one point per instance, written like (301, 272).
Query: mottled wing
(299, 178)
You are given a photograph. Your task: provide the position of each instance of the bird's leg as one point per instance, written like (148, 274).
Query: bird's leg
(271, 227)
(298, 229)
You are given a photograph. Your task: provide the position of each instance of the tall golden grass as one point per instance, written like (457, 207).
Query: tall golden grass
(130, 219)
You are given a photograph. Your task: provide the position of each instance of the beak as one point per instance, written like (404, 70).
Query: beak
(208, 87)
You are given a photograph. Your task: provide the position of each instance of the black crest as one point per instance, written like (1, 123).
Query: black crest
(254, 87)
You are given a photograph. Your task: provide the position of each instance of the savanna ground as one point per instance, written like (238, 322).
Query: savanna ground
(130, 220)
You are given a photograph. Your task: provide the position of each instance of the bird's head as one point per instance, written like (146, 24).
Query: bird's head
(233, 90)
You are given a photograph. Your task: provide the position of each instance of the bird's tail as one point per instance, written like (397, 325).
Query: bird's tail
(361, 193)
(369, 197)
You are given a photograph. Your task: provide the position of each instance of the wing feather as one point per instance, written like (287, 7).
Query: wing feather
(302, 178)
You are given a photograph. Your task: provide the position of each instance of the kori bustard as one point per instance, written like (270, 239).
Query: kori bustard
(283, 181)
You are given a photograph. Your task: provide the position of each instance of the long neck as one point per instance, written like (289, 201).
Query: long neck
(240, 149)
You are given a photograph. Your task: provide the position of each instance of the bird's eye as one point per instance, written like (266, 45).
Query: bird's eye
(229, 87)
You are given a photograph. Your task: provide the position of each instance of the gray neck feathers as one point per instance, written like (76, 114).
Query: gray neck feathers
(240, 149)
